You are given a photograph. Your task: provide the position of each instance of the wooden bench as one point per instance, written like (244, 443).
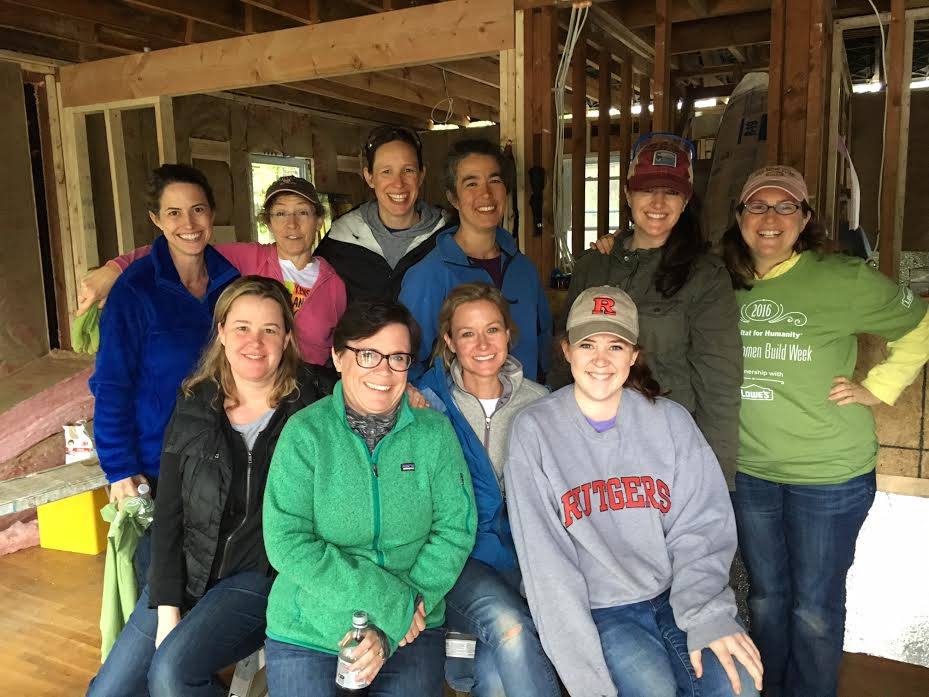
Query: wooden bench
(23, 493)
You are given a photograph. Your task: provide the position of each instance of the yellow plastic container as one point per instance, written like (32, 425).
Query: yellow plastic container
(74, 524)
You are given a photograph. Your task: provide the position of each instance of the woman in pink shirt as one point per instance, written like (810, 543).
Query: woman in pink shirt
(293, 212)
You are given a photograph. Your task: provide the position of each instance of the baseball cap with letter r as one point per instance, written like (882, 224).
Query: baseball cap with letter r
(603, 310)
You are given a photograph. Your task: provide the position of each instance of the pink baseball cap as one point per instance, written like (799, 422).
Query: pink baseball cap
(662, 163)
(782, 177)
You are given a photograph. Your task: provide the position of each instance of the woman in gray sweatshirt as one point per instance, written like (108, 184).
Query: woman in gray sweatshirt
(623, 525)
(480, 387)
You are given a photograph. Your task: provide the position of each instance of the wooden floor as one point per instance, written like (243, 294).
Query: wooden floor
(50, 638)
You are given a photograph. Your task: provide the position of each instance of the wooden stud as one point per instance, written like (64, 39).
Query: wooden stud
(645, 98)
(830, 199)
(898, 78)
(84, 249)
(603, 149)
(625, 139)
(775, 79)
(579, 143)
(164, 128)
(512, 129)
(457, 29)
(662, 86)
(119, 178)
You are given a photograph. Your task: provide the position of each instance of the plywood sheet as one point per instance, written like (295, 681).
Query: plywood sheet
(23, 325)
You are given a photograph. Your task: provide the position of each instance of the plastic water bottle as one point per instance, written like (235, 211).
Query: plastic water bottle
(141, 505)
(346, 682)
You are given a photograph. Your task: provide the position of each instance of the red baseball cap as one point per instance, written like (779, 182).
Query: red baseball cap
(663, 162)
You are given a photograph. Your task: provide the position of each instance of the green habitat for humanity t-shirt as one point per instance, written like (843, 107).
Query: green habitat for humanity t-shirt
(798, 333)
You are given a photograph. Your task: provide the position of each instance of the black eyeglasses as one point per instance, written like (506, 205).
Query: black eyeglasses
(781, 208)
(369, 358)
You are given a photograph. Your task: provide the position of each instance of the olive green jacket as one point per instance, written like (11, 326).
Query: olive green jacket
(691, 340)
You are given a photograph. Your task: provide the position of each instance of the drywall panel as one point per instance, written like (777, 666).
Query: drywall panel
(23, 325)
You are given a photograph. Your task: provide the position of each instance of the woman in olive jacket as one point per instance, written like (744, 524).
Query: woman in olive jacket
(204, 606)
(687, 311)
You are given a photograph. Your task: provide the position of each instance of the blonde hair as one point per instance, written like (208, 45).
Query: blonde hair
(469, 293)
(214, 365)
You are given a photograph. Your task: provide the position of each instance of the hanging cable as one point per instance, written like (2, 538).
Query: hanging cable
(579, 13)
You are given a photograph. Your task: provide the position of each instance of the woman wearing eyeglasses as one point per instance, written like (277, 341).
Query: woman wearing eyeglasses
(372, 246)
(687, 312)
(368, 506)
(294, 213)
(807, 447)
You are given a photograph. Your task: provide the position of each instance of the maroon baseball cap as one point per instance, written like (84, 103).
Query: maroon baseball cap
(662, 162)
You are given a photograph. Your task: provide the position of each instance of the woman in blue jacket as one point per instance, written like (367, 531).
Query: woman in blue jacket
(157, 319)
(480, 387)
(479, 250)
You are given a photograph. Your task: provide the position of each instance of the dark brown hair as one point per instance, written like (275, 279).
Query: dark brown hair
(738, 257)
(465, 148)
(381, 135)
(641, 379)
(364, 319)
(175, 174)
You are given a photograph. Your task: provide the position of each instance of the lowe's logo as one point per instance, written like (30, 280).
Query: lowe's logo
(757, 393)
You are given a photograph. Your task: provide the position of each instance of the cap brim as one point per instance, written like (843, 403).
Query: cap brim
(645, 183)
(588, 329)
(301, 194)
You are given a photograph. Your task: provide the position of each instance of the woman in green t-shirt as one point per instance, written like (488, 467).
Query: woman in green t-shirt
(807, 444)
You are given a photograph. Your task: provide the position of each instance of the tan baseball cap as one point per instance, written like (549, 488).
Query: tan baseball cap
(603, 310)
(782, 177)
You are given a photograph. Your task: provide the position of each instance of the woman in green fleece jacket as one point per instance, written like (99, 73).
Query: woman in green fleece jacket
(368, 506)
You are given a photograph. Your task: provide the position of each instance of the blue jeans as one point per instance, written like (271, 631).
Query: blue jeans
(509, 660)
(798, 542)
(414, 669)
(646, 654)
(225, 626)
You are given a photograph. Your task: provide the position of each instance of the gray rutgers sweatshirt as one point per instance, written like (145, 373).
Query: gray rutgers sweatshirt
(613, 518)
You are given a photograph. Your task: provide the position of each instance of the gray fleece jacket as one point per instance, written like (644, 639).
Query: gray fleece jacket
(492, 431)
(614, 518)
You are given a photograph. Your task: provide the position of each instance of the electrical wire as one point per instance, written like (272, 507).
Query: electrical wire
(579, 13)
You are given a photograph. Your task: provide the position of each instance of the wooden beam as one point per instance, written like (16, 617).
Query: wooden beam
(484, 70)
(699, 7)
(625, 139)
(615, 27)
(721, 32)
(579, 149)
(456, 28)
(645, 98)
(84, 249)
(66, 51)
(815, 99)
(721, 69)
(775, 79)
(603, 151)
(119, 179)
(224, 14)
(898, 79)
(640, 15)
(303, 11)
(439, 81)
(662, 85)
(513, 129)
(334, 90)
(164, 130)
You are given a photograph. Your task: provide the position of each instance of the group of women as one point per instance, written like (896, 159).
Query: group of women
(583, 536)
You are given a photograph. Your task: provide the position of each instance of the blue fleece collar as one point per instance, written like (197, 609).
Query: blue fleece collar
(452, 253)
(219, 270)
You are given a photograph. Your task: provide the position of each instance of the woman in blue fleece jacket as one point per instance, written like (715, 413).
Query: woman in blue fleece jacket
(480, 387)
(157, 319)
(479, 250)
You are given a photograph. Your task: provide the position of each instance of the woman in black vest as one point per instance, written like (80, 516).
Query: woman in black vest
(204, 606)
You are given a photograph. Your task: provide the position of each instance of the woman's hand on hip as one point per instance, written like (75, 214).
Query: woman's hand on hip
(844, 391)
(370, 655)
(95, 287)
(168, 618)
(734, 646)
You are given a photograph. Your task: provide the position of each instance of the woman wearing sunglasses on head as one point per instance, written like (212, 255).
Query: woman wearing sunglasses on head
(807, 446)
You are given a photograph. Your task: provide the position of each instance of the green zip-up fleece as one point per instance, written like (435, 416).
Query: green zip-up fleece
(691, 340)
(348, 530)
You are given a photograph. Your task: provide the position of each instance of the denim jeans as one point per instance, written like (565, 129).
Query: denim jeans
(413, 670)
(509, 660)
(798, 542)
(225, 626)
(646, 654)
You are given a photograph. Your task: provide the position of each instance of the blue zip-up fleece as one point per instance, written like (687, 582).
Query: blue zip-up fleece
(494, 542)
(151, 333)
(427, 284)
